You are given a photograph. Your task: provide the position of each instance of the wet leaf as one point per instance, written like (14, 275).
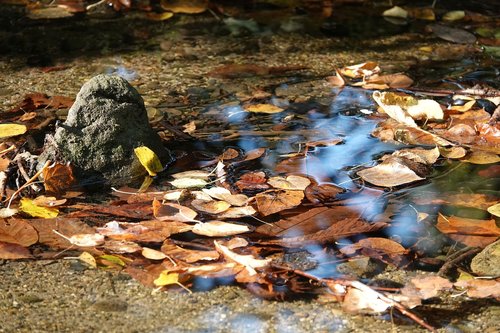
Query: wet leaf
(263, 108)
(471, 232)
(197, 174)
(480, 288)
(454, 15)
(186, 255)
(425, 287)
(321, 193)
(17, 231)
(185, 6)
(211, 207)
(149, 160)
(406, 108)
(361, 70)
(237, 212)
(44, 201)
(453, 35)
(395, 81)
(291, 182)
(13, 251)
(66, 226)
(482, 157)
(250, 262)
(8, 130)
(275, 201)
(363, 301)
(159, 16)
(121, 246)
(376, 247)
(27, 206)
(391, 172)
(84, 240)
(219, 229)
(8, 212)
(107, 259)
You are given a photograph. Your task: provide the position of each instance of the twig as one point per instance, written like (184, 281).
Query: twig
(363, 287)
(457, 257)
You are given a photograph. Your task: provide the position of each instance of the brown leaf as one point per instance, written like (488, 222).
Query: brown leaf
(17, 231)
(470, 232)
(186, 255)
(275, 201)
(321, 193)
(391, 172)
(172, 212)
(383, 249)
(66, 226)
(480, 288)
(394, 81)
(472, 200)
(13, 251)
(318, 226)
(58, 178)
(211, 207)
(425, 287)
(154, 231)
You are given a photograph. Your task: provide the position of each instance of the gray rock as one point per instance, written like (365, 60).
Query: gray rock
(104, 125)
(487, 262)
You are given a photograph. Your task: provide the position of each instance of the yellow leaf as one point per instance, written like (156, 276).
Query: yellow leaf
(263, 108)
(166, 279)
(494, 210)
(7, 130)
(88, 259)
(31, 209)
(159, 16)
(113, 259)
(145, 184)
(149, 160)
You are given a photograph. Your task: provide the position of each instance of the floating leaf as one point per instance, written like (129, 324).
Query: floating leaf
(291, 182)
(149, 160)
(159, 16)
(8, 130)
(482, 157)
(27, 206)
(471, 232)
(275, 201)
(185, 6)
(263, 108)
(219, 229)
(389, 173)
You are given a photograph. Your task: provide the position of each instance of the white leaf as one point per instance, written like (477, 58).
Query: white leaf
(219, 229)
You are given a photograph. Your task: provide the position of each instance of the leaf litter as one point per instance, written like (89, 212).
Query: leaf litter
(166, 237)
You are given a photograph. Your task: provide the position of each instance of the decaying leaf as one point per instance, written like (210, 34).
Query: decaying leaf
(58, 178)
(363, 301)
(185, 6)
(425, 287)
(378, 248)
(480, 288)
(88, 259)
(219, 229)
(186, 255)
(153, 254)
(482, 157)
(166, 278)
(358, 71)
(83, 240)
(237, 212)
(198, 174)
(275, 201)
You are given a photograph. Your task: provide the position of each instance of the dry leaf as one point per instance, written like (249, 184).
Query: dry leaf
(8, 130)
(149, 160)
(27, 206)
(211, 207)
(198, 174)
(58, 178)
(173, 212)
(482, 157)
(153, 254)
(237, 212)
(219, 229)
(189, 183)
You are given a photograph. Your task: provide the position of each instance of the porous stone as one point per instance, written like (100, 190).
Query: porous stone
(487, 262)
(104, 125)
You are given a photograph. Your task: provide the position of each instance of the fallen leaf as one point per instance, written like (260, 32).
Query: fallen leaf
(173, 212)
(66, 226)
(454, 15)
(248, 261)
(471, 232)
(13, 251)
(480, 288)
(27, 206)
(159, 16)
(198, 174)
(453, 35)
(88, 259)
(425, 287)
(186, 255)
(152, 254)
(277, 200)
(494, 210)
(211, 207)
(185, 6)
(291, 182)
(17, 231)
(237, 212)
(58, 178)
(8, 130)
(149, 160)
(83, 240)
(363, 301)
(166, 278)
(396, 11)
(361, 70)
(44, 201)
(391, 172)
(378, 248)
(482, 157)
(189, 183)
(263, 108)
(219, 229)
(121, 246)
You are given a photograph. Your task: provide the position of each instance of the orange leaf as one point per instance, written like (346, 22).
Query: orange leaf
(17, 231)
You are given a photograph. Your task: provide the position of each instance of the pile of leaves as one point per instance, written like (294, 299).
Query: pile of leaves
(231, 219)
